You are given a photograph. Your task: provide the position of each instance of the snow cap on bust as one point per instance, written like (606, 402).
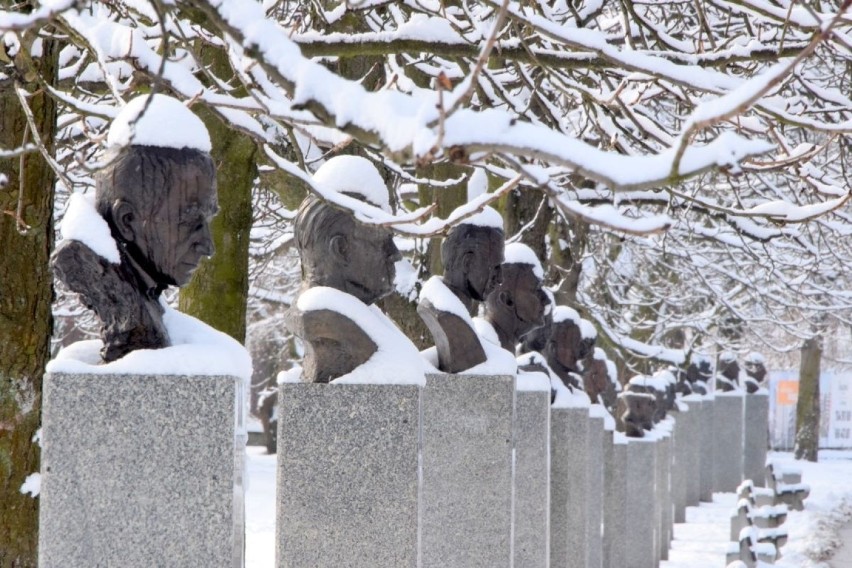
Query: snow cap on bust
(519, 253)
(165, 123)
(487, 218)
(353, 175)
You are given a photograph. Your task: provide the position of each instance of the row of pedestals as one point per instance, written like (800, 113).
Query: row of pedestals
(466, 471)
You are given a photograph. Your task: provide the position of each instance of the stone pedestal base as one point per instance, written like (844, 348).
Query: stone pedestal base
(569, 473)
(708, 440)
(728, 441)
(142, 471)
(615, 500)
(532, 478)
(467, 471)
(641, 534)
(594, 520)
(756, 437)
(348, 477)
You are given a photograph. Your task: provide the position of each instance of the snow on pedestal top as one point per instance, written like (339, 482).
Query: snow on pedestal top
(166, 123)
(354, 175)
(196, 349)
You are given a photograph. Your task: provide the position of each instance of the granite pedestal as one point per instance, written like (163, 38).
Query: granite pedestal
(141, 470)
(348, 479)
(756, 437)
(615, 499)
(664, 493)
(641, 530)
(532, 479)
(595, 480)
(693, 448)
(569, 472)
(728, 441)
(680, 469)
(708, 438)
(467, 471)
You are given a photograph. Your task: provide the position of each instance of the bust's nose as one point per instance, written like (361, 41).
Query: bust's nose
(204, 243)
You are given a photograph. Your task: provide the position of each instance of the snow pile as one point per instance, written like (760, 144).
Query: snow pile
(488, 218)
(599, 411)
(498, 361)
(443, 299)
(82, 222)
(534, 381)
(32, 485)
(396, 360)
(564, 313)
(165, 123)
(353, 175)
(197, 349)
(587, 330)
(519, 253)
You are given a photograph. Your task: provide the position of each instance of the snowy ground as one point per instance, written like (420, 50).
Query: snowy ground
(700, 542)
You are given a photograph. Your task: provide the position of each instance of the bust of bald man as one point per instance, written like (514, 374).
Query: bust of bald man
(472, 255)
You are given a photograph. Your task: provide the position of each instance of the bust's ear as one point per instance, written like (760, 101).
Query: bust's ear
(338, 248)
(506, 298)
(126, 220)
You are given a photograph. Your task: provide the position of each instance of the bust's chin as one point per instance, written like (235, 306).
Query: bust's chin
(366, 295)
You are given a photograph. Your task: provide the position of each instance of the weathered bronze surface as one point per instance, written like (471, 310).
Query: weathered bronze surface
(158, 203)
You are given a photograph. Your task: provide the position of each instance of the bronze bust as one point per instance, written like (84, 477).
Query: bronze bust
(516, 306)
(345, 255)
(158, 203)
(472, 255)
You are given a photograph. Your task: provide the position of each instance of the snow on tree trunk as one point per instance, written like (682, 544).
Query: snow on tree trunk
(807, 408)
(26, 231)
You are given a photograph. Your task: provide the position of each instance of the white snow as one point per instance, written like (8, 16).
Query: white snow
(82, 222)
(353, 174)
(165, 123)
(396, 360)
(443, 298)
(32, 485)
(498, 361)
(534, 381)
(564, 313)
(519, 253)
(488, 218)
(477, 185)
(755, 357)
(197, 349)
(597, 410)
(587, 330)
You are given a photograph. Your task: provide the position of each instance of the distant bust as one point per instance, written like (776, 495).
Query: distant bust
(728, 373)
(157, 202)
(472, 255)
(699, 372)
(343, 254)
(566, 347)
(516, 306)
(635, 413)
(756, 372)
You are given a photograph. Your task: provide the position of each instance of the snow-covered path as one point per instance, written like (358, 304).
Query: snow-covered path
(701, 542)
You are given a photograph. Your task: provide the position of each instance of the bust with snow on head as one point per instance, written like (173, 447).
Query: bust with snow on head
(472, 255)
(517, 304)
(347, 265)
(147, 227)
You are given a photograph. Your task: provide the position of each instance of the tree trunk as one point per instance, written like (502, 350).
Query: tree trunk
(807, 408)
(25, 312)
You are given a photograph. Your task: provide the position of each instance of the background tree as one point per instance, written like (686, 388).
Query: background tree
(27, 130)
